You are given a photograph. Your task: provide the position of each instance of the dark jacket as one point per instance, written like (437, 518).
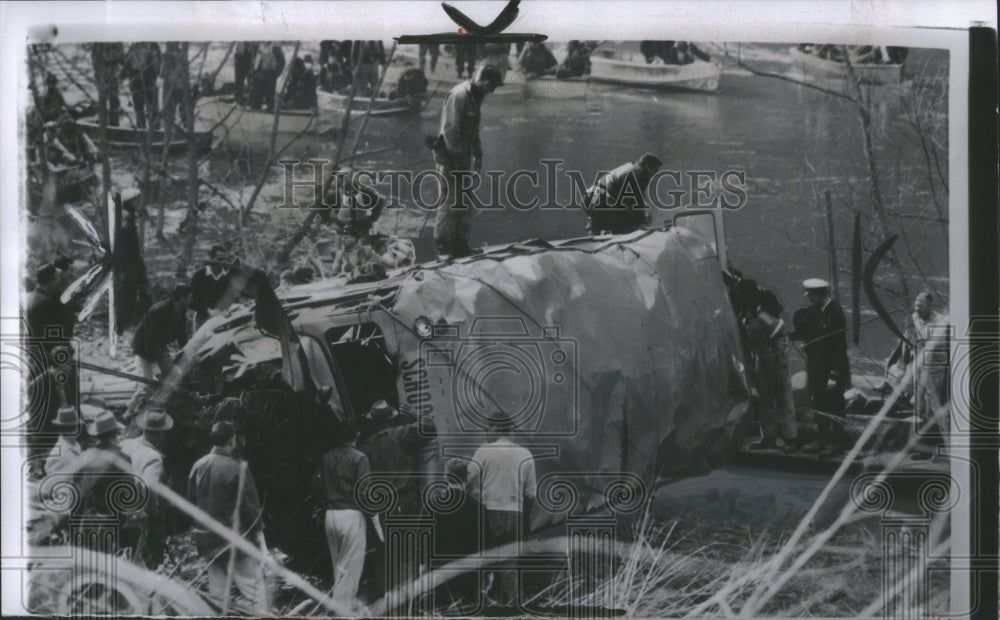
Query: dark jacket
(162, 324)
(45, 311)
(404, 454)
(206, 290)
(213, 486)
(337, 479)
(615, 202)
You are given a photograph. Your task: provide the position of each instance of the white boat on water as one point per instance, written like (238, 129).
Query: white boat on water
(549, 87)
(239, 124)
(631, 69)
(869, 73)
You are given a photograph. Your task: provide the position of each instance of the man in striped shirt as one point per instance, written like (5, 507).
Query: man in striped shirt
(340, 472)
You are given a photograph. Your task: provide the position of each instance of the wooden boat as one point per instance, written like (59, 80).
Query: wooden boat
(135, 138)
(549, 87)
(380, 106)
(239, 124)
(869, 73)
(631, 69)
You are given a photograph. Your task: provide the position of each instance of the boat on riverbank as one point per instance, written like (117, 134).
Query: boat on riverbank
(631, 69)
(125, 138)
(242, 125)
(868, 73)
(380, 106)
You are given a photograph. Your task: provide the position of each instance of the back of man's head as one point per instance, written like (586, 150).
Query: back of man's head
(347, 430)
(222, 433)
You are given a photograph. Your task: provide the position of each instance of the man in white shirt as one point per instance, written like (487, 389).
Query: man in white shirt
(502, 475)
(147, 462)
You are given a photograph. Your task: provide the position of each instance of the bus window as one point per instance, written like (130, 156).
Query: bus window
(369, 373)
(320, 372)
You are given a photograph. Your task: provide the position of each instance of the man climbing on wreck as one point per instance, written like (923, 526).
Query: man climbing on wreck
(458, 151)
(615, 204)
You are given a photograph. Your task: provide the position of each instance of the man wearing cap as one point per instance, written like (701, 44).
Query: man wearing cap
(458, 151)
(147, 462)
(502, 476)
(615, 204)
(163, 324)
(209, 285)
(63, 454)
(823, 328)
(214, 486)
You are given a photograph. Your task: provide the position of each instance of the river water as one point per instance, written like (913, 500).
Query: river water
(791, 143)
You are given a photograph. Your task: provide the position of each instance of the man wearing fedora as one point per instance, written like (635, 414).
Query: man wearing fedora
(147, 462)
(102, 476)
(67, 448)
(502, 475)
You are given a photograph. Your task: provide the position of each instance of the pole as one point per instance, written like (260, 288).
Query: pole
(831, 246)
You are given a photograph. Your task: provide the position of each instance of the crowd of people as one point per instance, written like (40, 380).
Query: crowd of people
(857, 54)
(821, 328)
(492, 494)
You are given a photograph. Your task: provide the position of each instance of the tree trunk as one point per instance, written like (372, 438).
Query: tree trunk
(191, 232)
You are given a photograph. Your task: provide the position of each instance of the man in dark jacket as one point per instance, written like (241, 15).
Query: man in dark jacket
(214, 486)
(48, 317)
(53, 104)
(243, 60)
(536, 60)
(209, 285)
(163, 324)
(142, 66)
(108, 59)
(823, 329)
(615, 204)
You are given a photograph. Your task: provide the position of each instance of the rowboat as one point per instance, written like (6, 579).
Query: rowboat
(631, 69)
(869, 73)
(122, 138)
(248, 126)
(380, 106)
(549, 87)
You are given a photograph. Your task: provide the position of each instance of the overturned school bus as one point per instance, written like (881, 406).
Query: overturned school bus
(618, 357)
